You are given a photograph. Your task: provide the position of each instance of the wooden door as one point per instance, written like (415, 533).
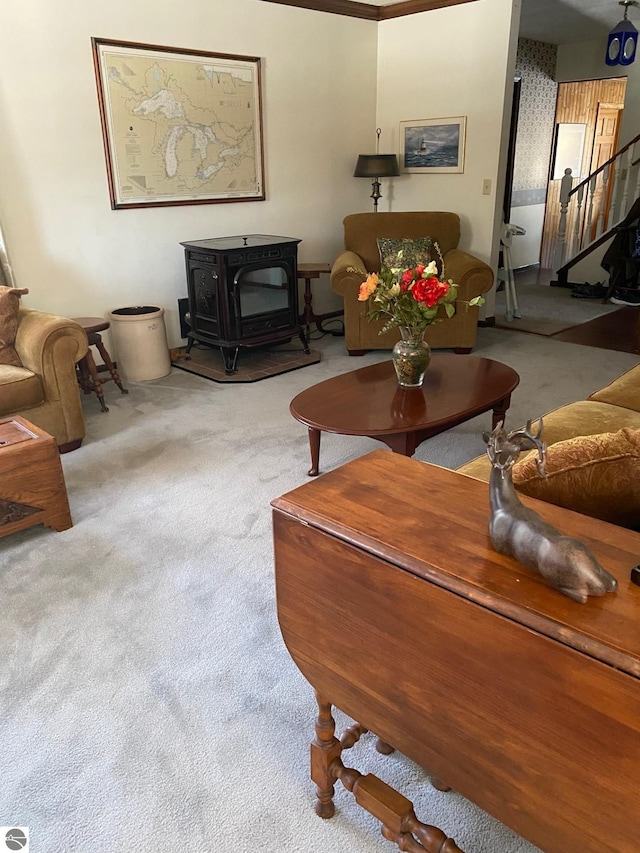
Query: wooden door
(605, 142)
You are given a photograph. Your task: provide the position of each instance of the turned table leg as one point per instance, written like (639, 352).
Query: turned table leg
(324, 749)
(500, 411)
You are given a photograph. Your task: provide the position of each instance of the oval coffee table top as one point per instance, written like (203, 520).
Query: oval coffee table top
(369, 401)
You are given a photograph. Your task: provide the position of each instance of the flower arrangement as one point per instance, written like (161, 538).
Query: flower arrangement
(411, 298)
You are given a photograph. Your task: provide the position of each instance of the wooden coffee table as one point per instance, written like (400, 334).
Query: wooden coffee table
(370, 402)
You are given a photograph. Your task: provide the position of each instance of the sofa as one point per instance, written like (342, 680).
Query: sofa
(593, 455)
(361, 232)
(44, 388)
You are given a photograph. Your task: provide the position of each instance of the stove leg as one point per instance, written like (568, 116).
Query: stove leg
(230, 356)
(305, 343)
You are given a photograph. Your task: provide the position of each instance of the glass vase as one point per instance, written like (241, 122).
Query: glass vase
(411, 356)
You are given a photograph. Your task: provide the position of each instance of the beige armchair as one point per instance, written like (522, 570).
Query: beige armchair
(45, 389)
(472, 276)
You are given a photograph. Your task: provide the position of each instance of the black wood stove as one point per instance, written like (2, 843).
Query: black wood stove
(243, 291)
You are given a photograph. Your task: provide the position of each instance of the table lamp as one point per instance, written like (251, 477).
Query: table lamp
(374, 167)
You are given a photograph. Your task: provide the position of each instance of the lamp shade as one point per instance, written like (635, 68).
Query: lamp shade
(621, 44)
(376, 166)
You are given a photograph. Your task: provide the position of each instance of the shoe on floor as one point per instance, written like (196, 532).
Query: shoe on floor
(626, 297)
(589, 291)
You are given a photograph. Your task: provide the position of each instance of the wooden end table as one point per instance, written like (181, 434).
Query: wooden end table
(369, 401)
(309, 272)
(87, 370)
(398, 611)
(32, 487)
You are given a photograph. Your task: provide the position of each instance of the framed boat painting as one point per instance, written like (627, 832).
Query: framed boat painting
(433, 145)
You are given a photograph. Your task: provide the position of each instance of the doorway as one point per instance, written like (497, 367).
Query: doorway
(598, 104)
(605, 144)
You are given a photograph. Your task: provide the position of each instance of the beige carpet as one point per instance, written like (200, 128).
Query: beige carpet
(253, 364)
(147, 699)
(548, 310)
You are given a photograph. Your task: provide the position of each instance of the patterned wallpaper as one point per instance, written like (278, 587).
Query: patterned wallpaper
(536, 66)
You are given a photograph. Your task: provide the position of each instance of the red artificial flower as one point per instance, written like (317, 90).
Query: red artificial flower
(429, 291)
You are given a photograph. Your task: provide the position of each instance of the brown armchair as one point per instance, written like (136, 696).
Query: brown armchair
(472, 276)
(45, 389)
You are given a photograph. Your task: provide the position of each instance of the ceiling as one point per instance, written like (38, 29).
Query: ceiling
(562, 21)
(552, 21)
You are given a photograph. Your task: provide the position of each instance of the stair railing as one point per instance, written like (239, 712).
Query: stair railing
(591, 210)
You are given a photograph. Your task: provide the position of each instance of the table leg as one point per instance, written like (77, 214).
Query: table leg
(314, 447)
(95, 379)
(404, 443)
(308, 310)
(500, 411)
(324, 748)
(399, 822)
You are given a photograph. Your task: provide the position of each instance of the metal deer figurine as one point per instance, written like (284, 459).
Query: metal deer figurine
(516, 530)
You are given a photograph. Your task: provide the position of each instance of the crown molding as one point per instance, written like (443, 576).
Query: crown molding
(410, 7)
(337, 7)
(353, 9)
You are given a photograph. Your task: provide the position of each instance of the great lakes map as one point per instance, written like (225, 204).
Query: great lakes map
(180, 128)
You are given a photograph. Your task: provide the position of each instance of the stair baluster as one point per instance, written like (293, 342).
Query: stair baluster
(590, 211)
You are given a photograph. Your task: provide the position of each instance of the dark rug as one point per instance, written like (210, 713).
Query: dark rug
(618, 331)
(253, 364)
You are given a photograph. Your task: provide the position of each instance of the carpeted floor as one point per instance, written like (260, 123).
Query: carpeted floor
(548, 310)
(147, 700)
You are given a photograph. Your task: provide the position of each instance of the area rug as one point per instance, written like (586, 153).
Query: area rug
(548, 310)
(618, 330)
(253, 364)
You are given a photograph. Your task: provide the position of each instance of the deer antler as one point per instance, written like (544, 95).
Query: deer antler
(523, 436)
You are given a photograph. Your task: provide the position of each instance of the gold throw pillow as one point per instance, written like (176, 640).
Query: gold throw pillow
(597, 475)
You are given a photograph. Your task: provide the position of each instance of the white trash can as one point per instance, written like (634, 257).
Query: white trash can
(140, 341)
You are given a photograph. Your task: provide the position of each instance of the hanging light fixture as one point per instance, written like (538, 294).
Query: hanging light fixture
(623, 39)
(376, 166)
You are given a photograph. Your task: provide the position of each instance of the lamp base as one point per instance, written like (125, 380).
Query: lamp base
(376, 194)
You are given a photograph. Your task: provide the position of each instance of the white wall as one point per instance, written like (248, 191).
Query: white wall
(79, 257)
(525, 248)
(469, 54)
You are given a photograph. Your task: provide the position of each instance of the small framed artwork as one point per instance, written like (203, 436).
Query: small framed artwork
(432, 145)
(179, 126)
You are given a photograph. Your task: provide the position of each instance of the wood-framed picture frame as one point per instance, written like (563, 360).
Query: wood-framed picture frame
(433, 145)
(179, 126)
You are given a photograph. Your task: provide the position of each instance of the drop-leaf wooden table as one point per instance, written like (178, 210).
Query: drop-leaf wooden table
(397, 610)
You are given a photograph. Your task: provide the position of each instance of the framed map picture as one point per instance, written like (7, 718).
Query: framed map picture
(432, 145)
(179, 126)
